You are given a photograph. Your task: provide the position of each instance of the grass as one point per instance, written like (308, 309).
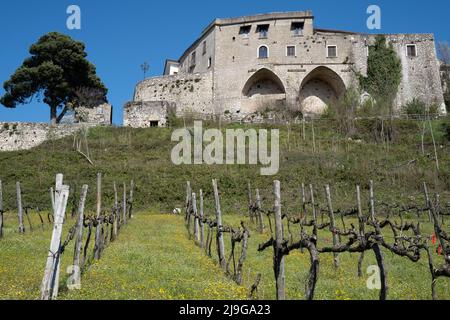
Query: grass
(154, 260)
(123, 154)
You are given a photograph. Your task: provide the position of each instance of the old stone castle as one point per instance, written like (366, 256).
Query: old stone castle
(241, 65)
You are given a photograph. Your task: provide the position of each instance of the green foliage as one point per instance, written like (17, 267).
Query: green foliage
(384, 74)
(345, 111)
(56, 69)
(417, 107)
(446, 130)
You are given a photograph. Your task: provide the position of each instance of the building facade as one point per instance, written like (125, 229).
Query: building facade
(240, 66)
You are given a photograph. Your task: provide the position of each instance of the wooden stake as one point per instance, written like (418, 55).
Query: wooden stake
(220, 242)
(278, 256)
(130, 208)
(19, 208)
(116, 213)
(332, 225)
(427, 201)
(1, 209)
(79, 234)
(361, 228)
(202, 225)
(196, 220)
(98, 229)
(188, 198)
(259, 212)
(250, 204)
(304, 217)
(124, 205)
(50, 282)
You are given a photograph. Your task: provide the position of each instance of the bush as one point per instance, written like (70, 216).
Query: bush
(446, 129)
(418, 108)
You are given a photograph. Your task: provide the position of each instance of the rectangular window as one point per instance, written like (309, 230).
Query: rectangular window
(154, 124)
(297, 29)
(411, 50)
(193, 59)
(209, 62)
(290, 51)
(263, 30)
(331, 51)
(244, 31)
(204, 47)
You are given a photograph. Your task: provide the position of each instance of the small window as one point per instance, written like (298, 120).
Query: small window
(263, 31)
(209, 62)
(411, 50)
(297, 28)
(290, 51)
(263, 52)
(244, 31)
(204, 47)
(154, 124)
(331, 51)
(193, 59)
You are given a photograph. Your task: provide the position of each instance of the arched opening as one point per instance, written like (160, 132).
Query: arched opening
(321, 88)
(263, 83)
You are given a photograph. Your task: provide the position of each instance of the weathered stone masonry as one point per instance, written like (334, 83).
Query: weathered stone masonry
(241, 65)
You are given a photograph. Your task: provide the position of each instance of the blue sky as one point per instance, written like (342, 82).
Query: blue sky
(121, 35)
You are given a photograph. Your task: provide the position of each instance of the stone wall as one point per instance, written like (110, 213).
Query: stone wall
(101, 115)
(145, 114)
(16, 136)
(184, 93)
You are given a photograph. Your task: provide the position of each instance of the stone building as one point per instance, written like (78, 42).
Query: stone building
(239, 66)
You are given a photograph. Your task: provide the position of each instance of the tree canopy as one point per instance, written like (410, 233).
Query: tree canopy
(55, 71)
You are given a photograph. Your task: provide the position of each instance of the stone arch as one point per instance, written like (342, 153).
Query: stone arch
(320, 89)
(263, 83)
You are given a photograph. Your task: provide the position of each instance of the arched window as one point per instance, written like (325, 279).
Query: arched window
(263, 52)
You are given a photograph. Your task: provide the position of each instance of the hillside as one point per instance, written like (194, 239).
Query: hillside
(123, 154)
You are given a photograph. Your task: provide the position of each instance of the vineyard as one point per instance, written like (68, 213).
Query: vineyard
(377, 228)
(313, 234)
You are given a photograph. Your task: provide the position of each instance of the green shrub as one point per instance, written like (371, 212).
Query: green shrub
(446, 129)
(417, 107)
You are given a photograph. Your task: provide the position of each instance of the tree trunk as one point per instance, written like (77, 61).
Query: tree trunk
(54, 115)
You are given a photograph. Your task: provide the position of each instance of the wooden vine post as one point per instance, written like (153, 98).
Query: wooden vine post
(130, 207)
(124, 205)
(220, 242)
(279, 240)
(188, 199)
(259, 212)
(202, 224)
(332, 225)
(196, 219)
(1, 209)
(427, 201)
(79, 235)
(116, 217)
(50, 282)
(98, 229)
(376, 247)
(20, 208)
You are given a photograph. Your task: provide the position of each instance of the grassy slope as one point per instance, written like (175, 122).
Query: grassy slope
(122, 154)
(144, 155)
(154, 259)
